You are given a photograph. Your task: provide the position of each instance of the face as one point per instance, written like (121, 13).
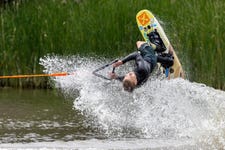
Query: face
(132, 77)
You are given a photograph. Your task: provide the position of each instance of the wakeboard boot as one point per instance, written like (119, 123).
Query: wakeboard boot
(155, 39)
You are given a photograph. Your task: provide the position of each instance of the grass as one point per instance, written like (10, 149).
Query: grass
(31, 29)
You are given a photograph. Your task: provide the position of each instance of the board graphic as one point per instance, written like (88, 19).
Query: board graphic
(147, 23)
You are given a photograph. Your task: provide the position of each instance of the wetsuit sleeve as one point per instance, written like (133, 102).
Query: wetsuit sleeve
(131, 56)
(167, 60)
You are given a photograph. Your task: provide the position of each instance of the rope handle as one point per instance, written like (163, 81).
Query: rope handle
(103, 67)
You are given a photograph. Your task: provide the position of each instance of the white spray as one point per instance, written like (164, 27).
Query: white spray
(171, 109)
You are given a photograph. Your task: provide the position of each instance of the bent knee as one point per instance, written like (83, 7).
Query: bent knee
(139, 43)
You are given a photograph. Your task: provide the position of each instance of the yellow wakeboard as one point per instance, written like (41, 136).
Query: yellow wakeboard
(148, 23)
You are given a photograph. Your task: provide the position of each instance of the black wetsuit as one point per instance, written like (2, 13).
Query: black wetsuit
(145, 61)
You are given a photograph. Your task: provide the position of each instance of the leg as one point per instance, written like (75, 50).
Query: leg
(139, 43)
(147, 52)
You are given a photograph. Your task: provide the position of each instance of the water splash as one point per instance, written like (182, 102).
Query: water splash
(169, 109)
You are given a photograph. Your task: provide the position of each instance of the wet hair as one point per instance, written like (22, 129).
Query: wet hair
(128, 85)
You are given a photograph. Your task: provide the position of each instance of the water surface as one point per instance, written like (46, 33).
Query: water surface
(39, 115)
(86, 112)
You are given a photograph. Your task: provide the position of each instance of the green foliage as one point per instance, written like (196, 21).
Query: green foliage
(34, 28)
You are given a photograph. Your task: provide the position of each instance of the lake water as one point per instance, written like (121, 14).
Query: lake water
(87, 112)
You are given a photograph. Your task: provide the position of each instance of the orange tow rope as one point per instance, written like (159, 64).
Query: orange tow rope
(36, 75)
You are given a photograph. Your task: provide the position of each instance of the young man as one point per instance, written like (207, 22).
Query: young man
(145, 60)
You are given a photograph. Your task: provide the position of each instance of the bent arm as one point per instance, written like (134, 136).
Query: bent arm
(115, 76)
(130, 57)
